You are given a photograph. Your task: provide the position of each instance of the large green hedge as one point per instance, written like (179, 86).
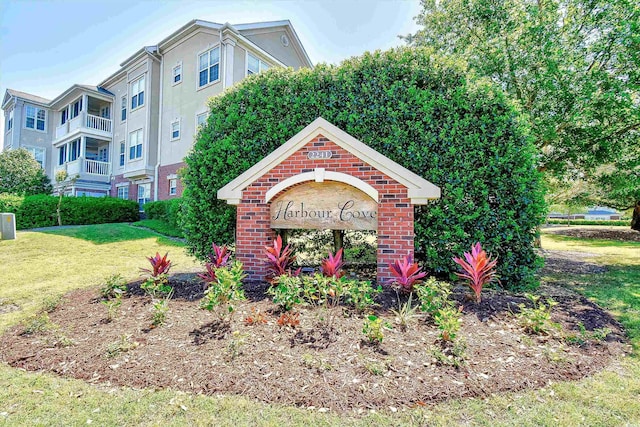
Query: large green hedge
(40, 210)
(418, 109)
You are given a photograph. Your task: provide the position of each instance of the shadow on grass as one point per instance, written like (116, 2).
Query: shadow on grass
(108, 233)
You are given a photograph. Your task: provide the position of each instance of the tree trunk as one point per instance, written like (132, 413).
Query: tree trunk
(635, 220)
(338, 240)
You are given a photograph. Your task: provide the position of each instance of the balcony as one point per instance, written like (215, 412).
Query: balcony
(88, 123)
(87, 169)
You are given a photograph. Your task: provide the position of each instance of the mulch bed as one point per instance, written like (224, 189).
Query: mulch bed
(614, 233)
(317, 364)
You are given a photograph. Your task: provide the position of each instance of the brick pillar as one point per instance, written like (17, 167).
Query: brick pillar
(395, 233)
(253, 233)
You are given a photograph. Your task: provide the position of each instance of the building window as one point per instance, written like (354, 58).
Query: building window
(137, 93)
(76, 108)
(173, 187)
(10, 120)
(123, 192)
(209, 67)
(175, 130)
(62, 154)
(38, 154)
(123, 109)
(35, 118)
(122, 148)
(177, 74)
(201, 119)
(255, 65)
(74, 152)
(144, 194)
(64, 117)
(135, 144)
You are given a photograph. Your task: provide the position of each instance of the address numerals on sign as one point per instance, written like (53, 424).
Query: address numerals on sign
(317, 155)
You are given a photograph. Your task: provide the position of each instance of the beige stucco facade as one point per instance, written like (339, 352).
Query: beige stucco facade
(137, 125)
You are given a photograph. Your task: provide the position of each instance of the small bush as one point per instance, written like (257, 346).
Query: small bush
(372, 328)
(40, 210)
(537, 319)
(225, 290)
(164, 210)
(113, 286)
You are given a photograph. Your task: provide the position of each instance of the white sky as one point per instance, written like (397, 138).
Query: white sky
(47, 46)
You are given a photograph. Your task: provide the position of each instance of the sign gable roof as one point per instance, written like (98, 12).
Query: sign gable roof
(420, 191)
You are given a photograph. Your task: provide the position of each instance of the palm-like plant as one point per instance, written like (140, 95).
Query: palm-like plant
(478, 268)
(407, 274)
(160, 265)
(279, 259)
(219, 258)
(331, 267)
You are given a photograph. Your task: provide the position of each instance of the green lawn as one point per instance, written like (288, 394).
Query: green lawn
(160, 226)
(41, 264)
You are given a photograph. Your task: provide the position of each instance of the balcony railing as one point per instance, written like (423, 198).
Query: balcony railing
(83, 166)
(84, 120)
(96, 168)
(99, 123)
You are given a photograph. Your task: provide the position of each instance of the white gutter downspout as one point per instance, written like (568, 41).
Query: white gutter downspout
(157, 168)
(224, 58)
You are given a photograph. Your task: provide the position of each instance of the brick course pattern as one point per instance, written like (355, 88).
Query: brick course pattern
(395, 211)
(163, 182)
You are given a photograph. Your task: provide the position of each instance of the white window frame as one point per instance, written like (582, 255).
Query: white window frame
(42, 150)
(209, 66)
(123, 107)
(139, 85)
(204, 114)
(139, 139)
(173, 186)
(122, 154)
(9, 120)
(36, 110)
(123, 192)
(175, 74)
(172, 130)
(145, 197)
(262, 65)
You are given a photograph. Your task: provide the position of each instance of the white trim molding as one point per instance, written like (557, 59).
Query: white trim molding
(321, 175)
(420, 191)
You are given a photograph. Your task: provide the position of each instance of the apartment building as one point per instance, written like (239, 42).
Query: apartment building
(127, 136)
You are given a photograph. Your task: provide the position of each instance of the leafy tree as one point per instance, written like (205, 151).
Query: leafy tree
(411, 105)
(21, 174)
(574, 67)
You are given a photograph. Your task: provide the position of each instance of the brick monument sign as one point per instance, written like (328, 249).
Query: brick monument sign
(323, 178)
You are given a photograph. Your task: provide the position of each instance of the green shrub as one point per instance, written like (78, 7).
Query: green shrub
(419, 110)
(40, 210)
(164, 210)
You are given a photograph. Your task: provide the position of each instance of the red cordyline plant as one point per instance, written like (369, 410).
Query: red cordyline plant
(219, 258)
(407, 274)
(280, 259)
(160, 265)
(331, 267)
(479, 269)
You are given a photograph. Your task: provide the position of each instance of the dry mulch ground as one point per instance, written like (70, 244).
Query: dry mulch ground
(611, 233)
(317, 364)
